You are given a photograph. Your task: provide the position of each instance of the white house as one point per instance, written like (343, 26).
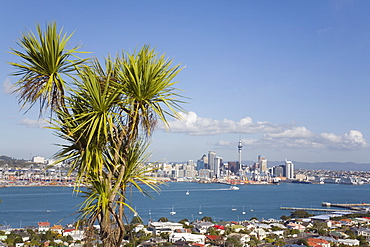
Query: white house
(43, 226)
(185, 236)
(158, 227)
(259, 233)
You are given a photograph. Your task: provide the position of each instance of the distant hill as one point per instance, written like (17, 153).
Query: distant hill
(12, 161)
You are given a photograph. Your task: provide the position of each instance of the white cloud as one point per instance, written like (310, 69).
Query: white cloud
(7, 86)
(194, 125)
(40, 123)
(270, 135)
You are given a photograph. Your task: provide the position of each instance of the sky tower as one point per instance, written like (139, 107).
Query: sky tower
(240, 147)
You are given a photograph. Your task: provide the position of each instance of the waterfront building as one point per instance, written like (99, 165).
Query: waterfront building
(205, 173)
(278, 171)
(232, 166)
(200, 164)
(211, 160)
(217, 167)
(38, 159)
(262, 163)
(289, 169)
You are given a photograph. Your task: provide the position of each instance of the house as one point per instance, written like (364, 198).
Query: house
(43, 226)
(363, 232)
(296, 226)
(202, 226)
(334, 224)
(318, 242)
(243, 238)
(159, 227)
(349, 242)
(57, 228)
(187, 236)
(347, 222)
(237, 228)
(258, 233)
(74, 233)
(215, 240)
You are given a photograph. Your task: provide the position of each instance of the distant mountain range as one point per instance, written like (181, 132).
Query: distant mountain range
(332, 166)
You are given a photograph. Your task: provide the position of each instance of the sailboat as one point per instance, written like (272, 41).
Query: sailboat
(187, 193)
(233, 208)
(173, 211)
(243, 210)
(200, 210)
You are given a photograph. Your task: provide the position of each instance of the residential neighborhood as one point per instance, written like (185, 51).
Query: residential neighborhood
(315, 231)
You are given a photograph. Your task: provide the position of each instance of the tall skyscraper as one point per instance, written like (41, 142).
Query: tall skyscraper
(202, 162)
(289, 169)
(262, 163)
(217, 169)
(240, 147)
(211, 160)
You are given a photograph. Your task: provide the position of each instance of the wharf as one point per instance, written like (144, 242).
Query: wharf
(317, 209)
(346, 205)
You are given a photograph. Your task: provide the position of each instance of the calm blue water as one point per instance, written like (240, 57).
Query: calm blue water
(24, 206)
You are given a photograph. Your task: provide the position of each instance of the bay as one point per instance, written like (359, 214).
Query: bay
(25, 206)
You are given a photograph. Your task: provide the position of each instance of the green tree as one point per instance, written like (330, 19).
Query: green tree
(233, 241)
(163, 219)
(300, 214)
(207, 219)
(284, 217)
(280, 242)
(302, 241)
(105, 116)
(46, 60)
(136, 220)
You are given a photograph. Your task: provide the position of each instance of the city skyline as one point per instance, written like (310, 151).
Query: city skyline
(290, 80)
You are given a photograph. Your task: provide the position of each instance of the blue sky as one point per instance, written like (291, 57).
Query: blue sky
(291, 79)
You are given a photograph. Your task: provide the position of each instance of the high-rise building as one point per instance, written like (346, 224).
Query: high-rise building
(262, 163)
(217, 167)
(289, 169)
(200, 164)
(211, 160)
(38, 159)
(233, 166)
(278, 171)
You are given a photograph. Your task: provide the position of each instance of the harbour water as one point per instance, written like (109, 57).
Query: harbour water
(25, 206)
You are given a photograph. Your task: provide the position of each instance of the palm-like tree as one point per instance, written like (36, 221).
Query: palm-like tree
(106, 118)
(111, 114)
(45, 62)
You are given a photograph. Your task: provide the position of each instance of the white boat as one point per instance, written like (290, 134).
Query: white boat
(233, 187)
(187, 193)
(233, 208)
(200, 210)
(173, 211)
(243, 210)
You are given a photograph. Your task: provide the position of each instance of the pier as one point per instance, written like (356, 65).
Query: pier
(317, 209)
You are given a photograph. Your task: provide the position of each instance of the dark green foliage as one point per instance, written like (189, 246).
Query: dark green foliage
(300, 214)
(207, 218)
(163, 219)
(136, 220)
(302, 241)
(233, 241)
